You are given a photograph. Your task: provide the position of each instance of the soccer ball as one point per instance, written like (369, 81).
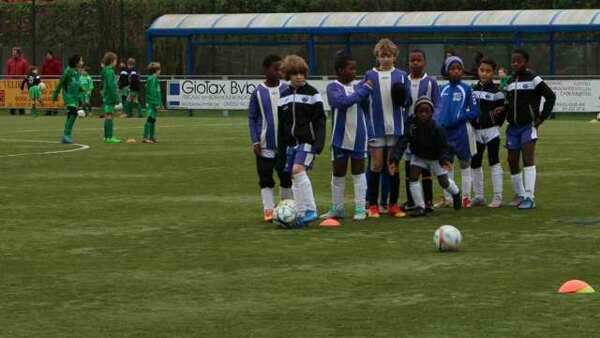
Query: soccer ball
(81, 113)
(42, 86)
(447, 238)
(285, 214)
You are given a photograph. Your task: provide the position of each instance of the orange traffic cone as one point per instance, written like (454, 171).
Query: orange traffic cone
(575, 286)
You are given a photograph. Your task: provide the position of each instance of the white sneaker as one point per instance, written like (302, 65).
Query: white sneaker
(360, 214)
(496, 202)
(334, 213)
(478, 202)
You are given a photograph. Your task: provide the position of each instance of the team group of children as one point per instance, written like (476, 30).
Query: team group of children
(77, 86)
(390, 116)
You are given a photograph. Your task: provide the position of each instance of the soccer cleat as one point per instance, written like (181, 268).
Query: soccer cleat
(373, 211)
(360, 214)
(443, 203)
(154, 140)
(456, 201)
(67, 139)
(148, 141)
(309, 216)
(112, 140)
(334, 213)
(527, 203)
(517, 200)
(429, 207)
(268, 215)
(478, 202)
(496, 202)
(396, 211)
(418, 212)
(408, 207)
(466, 202)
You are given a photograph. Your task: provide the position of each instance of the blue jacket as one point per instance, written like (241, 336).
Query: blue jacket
(458, 107)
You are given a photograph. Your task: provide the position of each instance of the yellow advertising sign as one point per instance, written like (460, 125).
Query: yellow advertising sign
(11, 95)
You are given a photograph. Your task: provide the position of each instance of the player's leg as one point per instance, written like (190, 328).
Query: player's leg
(427, 183)
(416, 189)
(529, 175)
(410, 203)
(264, 168)
(513, 145)
(477, 172)
(339, 164)
(447, 184)
(301, 184)
(69, 122)
(394, 209)
(360, 187)
(376, 151)
(493, 148)
(285, 185)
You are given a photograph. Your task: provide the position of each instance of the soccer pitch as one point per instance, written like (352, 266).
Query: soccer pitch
(167, 240)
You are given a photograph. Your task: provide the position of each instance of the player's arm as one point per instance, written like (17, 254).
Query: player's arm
(59, 86)
(436, 98)
(23, 83)
(338, 99)
(550, 99)
(111, 89)
(472, 106)
(253, 113)
(281, 146)
(319, 126)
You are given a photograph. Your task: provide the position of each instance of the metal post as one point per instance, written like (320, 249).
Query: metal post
(189, 56)
(225, 112)
(311, 54)
(33, 33)
(552, 54)
(149, 48)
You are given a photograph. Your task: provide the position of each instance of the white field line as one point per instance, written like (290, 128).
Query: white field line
(80, 147)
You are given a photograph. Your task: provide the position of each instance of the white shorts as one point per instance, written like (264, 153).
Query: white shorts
(484, 136)
(434, 166)
(381, 142)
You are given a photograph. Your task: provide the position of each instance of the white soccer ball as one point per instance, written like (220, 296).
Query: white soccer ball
(285, 214)
(81, 113)
(447, 238)
(42, 86)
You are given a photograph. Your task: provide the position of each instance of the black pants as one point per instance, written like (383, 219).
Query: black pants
(264, 168)
(493, 148)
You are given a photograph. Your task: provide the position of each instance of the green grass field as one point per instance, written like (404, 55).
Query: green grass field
(167, 240)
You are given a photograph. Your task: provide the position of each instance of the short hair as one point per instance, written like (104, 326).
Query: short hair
(131, 62)
(270, 59)
(522, 52)
(420, 51)
(341, 61)
(74, 60)
(385, 46)
(18, 50)
(153, 67)
(489, 61)
(50, 52)
(109, 58)
(32, 68)
(293, 64)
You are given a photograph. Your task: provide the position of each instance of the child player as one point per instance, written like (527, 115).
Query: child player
(421, 85)
(301, 134)
(386, 121)
(71, 88)
(262, 121)
(110, 97)
(153, 102)
(487, 133)
(524, 92)
(348, 102)
(428, 151)
(33, 80)
(459, 107)
(87, 86)
(133, 90)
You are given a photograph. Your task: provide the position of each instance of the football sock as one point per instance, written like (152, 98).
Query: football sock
(417, 193)
(337, 191)
(497, 175)
(530, 176)
(478, 182)
(267, 198)
(360, 190)
(466, 181)
(517, 182)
